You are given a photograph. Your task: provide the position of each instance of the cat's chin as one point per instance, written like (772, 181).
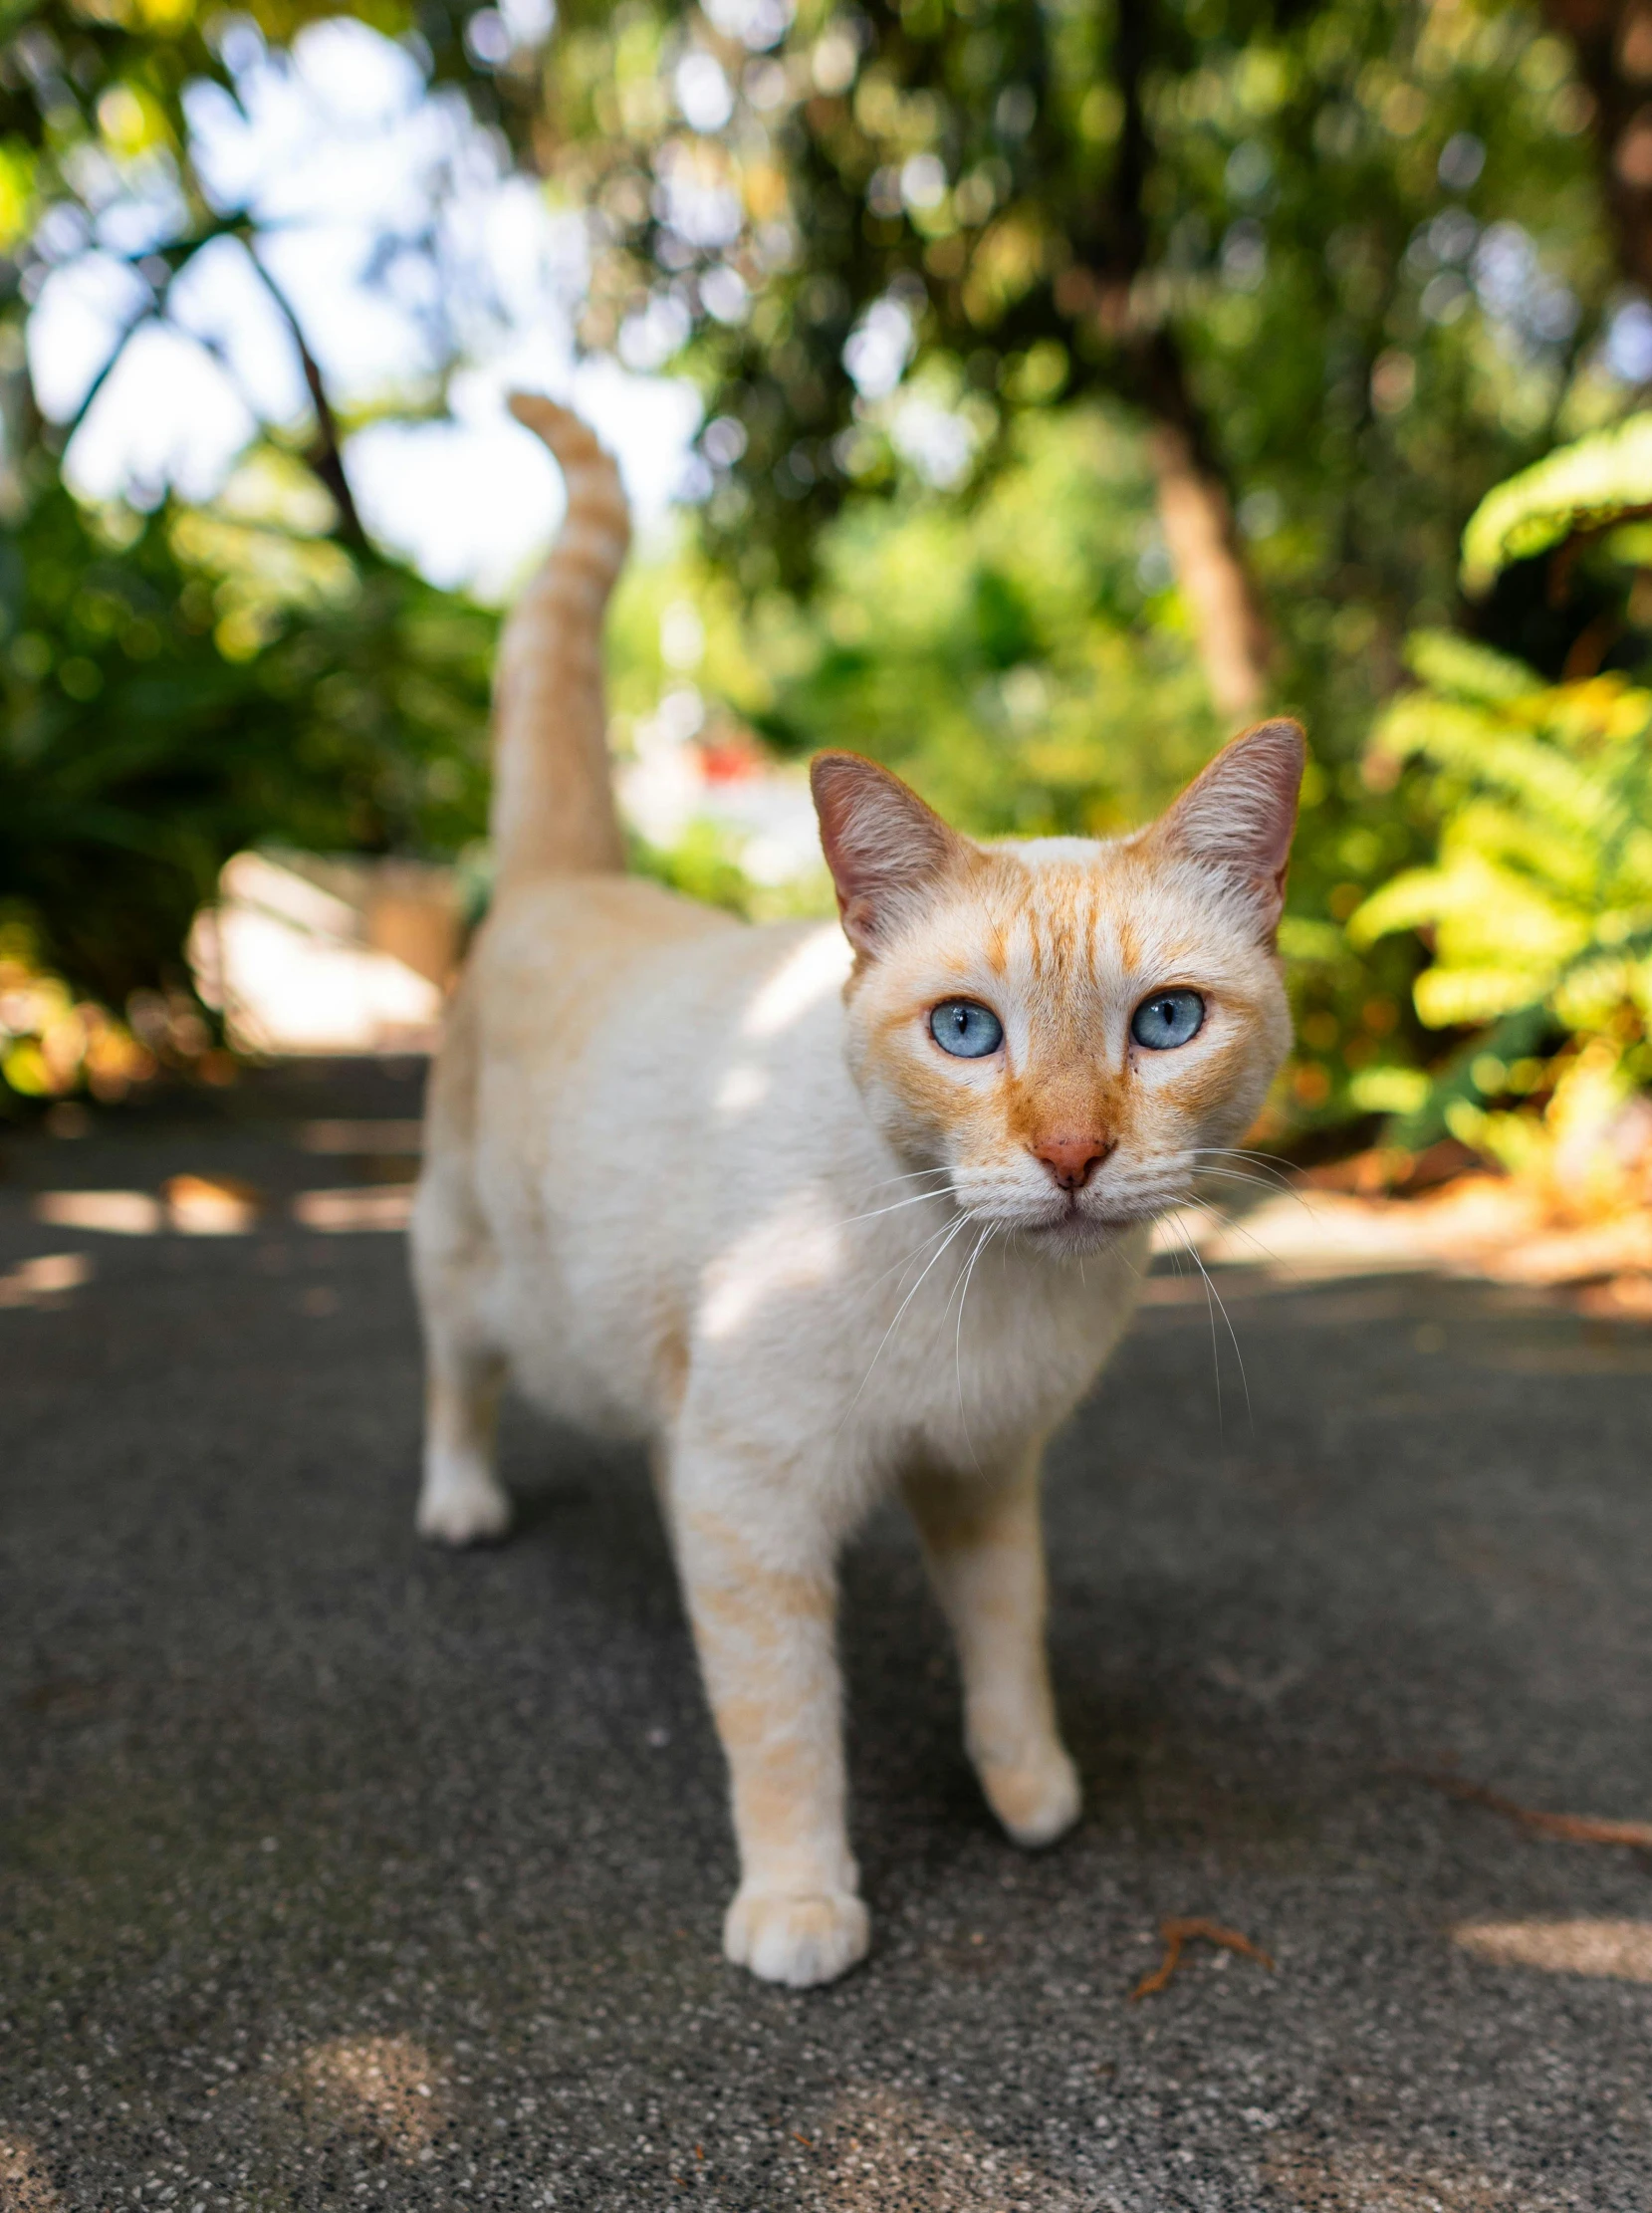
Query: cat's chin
(1071, 1234)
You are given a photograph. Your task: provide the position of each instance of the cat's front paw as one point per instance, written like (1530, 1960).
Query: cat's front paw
(801, 1941)
(463, 1513)
(1037, 1800)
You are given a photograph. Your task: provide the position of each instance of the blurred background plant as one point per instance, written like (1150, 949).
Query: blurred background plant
(1537, 905)
(1046, 390)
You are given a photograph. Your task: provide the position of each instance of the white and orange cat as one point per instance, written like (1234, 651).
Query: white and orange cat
(726, 1190)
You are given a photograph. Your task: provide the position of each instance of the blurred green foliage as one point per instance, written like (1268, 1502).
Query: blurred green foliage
(1537, 903)
(1224, 210)
(161, 712)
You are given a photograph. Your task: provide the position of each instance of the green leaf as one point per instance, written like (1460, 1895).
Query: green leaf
(1462, 669)
(1588, 486)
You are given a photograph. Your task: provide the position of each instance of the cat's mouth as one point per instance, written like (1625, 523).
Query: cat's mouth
(1078, 1221)
(1070, 1221)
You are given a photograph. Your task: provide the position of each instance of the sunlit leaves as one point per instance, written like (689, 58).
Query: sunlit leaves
(1587, 486)
(1538, 903)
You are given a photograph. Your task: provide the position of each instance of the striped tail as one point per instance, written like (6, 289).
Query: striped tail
(552, 799)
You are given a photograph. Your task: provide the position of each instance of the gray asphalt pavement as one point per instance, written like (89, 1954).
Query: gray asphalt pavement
(338, 1873)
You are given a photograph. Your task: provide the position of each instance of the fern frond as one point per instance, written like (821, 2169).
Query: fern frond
(1463, 998)
(1462, 669)
(1588, 485)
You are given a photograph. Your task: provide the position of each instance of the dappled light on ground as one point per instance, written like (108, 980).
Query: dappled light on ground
(380, 1206)
(388, 2090)
(23, 2187)
(1490, 1226)
(43, 1280)
(114, 1213)
(886, 2153)
(192, 1205)
(1620, 1951)
(1310, 2176)
(211, 1205)
(220, 1206)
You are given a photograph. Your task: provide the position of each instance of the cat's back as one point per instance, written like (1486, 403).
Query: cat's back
(604, 1020)
(561, 942)
(551, 956)
(629, 1081)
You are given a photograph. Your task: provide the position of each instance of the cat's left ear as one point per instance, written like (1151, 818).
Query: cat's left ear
(1238, 815)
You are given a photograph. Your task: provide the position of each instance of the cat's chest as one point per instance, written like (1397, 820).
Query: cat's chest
(1001, 1349)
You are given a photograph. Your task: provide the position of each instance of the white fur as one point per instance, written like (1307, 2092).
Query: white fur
(656, 1193)
(720, 1190)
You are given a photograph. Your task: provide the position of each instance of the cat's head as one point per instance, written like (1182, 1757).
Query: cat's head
(1066, 1028)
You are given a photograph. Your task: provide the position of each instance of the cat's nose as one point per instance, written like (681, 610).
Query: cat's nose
(1071, 1161)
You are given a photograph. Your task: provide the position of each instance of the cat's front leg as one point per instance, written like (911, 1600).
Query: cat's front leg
(984, 1549)
(759, 1576)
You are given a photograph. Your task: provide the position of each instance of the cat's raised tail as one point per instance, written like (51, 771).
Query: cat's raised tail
(553, 806)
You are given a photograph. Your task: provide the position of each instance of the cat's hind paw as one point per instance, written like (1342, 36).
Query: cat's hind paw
(1037, 1801)
(472, 1512)
(800, 1941)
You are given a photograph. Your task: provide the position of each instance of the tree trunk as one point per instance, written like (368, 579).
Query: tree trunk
(1612, 43)
(1195, 513)
(1198, 526)
(1234, 640)
(1232, 631)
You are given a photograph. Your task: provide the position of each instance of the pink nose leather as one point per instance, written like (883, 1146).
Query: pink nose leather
(1070, 1160)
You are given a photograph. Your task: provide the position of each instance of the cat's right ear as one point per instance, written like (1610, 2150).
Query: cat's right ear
(887, 852)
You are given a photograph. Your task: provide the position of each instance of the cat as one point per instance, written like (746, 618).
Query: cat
(728, 1191)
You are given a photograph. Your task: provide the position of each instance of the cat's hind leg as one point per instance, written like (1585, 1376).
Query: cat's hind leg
(984, 1547)
(461, 1499)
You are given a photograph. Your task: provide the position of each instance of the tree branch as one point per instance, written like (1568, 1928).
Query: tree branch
(1611, 41)
(325, 456)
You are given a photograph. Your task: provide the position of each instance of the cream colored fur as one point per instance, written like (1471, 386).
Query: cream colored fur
(719, 1191)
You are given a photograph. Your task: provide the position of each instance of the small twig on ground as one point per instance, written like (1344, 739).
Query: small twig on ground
(1571, 1828)
(1180, 1932)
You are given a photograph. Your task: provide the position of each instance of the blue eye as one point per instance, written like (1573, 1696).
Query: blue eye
(1168, 1018)
(967, 1031)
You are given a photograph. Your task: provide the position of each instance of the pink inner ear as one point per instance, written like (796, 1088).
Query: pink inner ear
(1239, 812)
(885, 848)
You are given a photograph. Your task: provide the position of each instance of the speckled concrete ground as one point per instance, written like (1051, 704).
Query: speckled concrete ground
(338, 1874)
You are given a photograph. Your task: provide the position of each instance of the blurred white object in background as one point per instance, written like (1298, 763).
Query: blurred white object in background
(680, 773)
(304, 955)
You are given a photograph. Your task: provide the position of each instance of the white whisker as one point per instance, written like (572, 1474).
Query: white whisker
(893, 1207)
(1266, 1170)
(899, 1311)
(1212, 1294)
(1237, 1229)
(958, 1340)
(1245, 1152)
(1238, 1175)
(912, 1177)
(906, 1259)
(1215, 1353)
